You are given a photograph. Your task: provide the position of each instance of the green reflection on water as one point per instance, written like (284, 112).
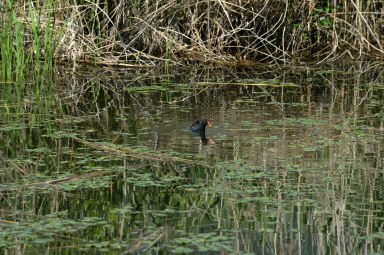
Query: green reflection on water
(113, 168)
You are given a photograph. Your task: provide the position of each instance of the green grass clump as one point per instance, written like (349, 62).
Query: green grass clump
(12, 46)
(30, 46)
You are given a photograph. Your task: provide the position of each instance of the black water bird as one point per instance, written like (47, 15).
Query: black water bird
(198, 126)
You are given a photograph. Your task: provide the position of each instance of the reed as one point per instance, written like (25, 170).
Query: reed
(210, 31)
(12, 46)
(29, 39)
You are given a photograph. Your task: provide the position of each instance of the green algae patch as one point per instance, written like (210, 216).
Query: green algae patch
(97, 166)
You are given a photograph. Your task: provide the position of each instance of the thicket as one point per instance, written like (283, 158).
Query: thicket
(145, 32)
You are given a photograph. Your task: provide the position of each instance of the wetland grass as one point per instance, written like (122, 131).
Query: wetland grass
(29, 41)
(234, 34)
(13, 62)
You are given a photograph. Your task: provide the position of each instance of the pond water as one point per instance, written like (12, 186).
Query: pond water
(105, 163)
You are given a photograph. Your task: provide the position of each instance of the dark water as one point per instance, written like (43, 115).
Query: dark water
(105, 163)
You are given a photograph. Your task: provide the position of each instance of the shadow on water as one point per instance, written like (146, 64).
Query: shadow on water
(291, 164)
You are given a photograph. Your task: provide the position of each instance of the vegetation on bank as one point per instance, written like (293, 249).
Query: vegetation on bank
(125, 33)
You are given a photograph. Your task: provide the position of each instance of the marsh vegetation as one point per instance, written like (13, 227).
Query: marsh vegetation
(149, 33)
(98, 158)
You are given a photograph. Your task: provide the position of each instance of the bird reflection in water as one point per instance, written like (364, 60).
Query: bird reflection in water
(203, 139)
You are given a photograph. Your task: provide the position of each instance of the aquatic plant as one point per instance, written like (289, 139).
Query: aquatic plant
(95, 164)
(36, 39)
(146, 34)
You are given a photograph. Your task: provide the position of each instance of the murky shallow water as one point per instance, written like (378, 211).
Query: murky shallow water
(292, 164)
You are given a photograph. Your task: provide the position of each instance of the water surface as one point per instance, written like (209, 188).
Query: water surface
(104, 162)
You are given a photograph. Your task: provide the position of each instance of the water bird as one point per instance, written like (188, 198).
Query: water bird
(198, 126)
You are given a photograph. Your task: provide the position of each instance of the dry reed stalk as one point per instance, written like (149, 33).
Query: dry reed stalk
(146, 33)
